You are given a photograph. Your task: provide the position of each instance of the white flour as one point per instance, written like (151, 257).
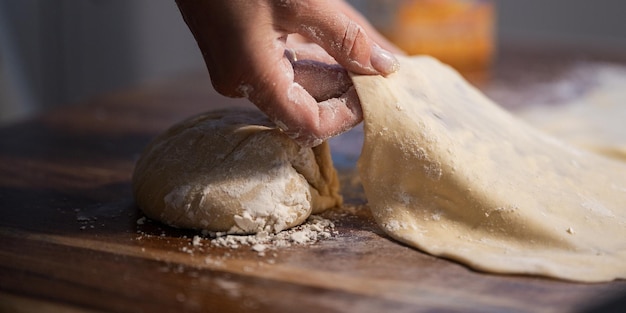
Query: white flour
(314, 229)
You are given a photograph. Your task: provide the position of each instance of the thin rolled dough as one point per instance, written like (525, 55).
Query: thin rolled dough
(233, 171)
(449, 172)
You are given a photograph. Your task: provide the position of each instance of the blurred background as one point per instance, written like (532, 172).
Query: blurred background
(56, 52)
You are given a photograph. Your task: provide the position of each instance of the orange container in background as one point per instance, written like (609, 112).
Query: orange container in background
(457, 32)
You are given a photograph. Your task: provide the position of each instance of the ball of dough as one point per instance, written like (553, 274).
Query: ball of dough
(233, 171)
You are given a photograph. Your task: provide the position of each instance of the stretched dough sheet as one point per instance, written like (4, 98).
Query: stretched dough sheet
(449, 172)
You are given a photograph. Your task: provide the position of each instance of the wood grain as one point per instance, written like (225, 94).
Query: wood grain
(70, 241)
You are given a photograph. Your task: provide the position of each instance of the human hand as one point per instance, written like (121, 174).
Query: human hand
(297, 84)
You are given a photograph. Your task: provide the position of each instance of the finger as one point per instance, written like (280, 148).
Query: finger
(309, 51)
(320, 80)
(345, 112)
(297, 113)
(330, 118)
(344, 39)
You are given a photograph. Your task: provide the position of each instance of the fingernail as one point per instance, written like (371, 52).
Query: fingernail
(383, 61)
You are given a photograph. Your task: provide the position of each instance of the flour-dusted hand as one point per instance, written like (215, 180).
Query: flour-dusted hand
(302, 85)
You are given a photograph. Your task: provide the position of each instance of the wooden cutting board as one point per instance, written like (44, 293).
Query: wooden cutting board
(70, 240)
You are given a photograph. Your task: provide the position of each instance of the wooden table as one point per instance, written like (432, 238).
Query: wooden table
(70, 241)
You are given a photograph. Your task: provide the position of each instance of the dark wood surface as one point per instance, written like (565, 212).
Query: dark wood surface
(70, 241)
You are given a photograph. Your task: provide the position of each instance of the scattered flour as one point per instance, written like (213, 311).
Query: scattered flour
(314, 229)
(196, 241)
